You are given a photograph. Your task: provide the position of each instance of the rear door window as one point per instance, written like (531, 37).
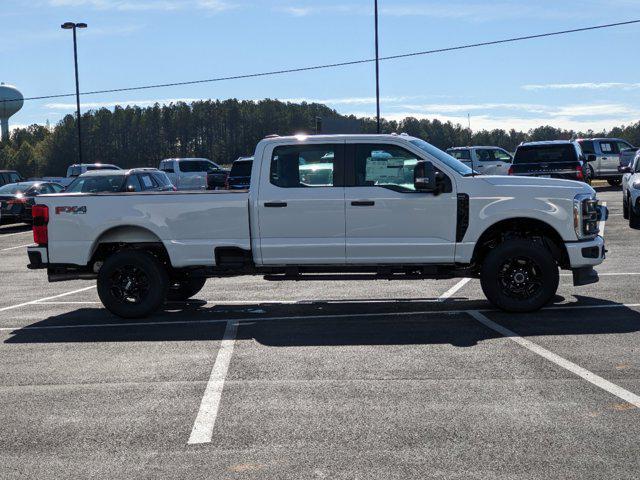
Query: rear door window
(609, 148)
(304, 166)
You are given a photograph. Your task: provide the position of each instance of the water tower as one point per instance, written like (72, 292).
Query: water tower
(11, 100)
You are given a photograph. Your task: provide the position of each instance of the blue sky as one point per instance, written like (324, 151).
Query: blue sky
(581, 81)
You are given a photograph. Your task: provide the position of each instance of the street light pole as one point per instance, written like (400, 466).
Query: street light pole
(377, 70)
(74, 27)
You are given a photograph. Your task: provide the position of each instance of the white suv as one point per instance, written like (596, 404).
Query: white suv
(484, 160)
(631, 192)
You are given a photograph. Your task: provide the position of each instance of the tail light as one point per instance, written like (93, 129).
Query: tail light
(579, 173)
(40, 215)
(510, 172)
(17, 201)
(175, 189)
(226, 183)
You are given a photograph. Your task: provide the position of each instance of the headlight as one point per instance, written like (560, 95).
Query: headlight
(585, 216)
(636, 185)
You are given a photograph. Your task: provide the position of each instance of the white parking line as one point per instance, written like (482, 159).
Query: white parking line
(583, 373)
(203, 426)
(16, 248)
(453, 290)
(33, 302)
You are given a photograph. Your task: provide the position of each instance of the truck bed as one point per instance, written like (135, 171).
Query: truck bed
(189, 224)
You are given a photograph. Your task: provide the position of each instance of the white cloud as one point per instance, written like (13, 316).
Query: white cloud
(457, 10)
(583, 86)
(146, 5)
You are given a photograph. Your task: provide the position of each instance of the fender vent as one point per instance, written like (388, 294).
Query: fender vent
(463, 217)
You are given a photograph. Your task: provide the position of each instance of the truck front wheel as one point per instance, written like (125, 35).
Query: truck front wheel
(519, 276)
(132, 284)
(185, 289)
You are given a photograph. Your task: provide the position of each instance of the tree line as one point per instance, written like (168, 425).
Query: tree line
(222, 131)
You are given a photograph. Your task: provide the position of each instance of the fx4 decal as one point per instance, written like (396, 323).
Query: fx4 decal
(71, 210)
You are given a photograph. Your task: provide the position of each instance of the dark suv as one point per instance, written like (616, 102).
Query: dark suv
(240, 175)
(556, 159)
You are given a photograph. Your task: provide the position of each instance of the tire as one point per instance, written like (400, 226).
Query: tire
(519, 276)
(588, 174)
(625, 207)
(634, 218)
(185, 289)
(614, 182)
(132, 284)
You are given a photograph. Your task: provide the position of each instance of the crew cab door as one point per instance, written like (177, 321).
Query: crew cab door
(387, 221)
(609, 158)
(300, 206)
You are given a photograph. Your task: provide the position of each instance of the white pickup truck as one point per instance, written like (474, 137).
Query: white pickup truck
(390, 205)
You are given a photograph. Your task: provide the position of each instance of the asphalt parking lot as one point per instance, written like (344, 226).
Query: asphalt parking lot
(323, 379)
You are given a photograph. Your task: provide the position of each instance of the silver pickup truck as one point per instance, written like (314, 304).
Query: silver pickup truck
(603, 157)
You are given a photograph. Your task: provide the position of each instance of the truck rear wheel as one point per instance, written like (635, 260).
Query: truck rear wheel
(185, 289)
(132, 284)
(519, 276)
(634, 217)
(625, 207)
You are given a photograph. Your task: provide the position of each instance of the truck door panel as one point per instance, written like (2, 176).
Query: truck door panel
(301, 205)
(387, 221)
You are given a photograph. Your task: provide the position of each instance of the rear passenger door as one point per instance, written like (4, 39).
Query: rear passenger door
(609, 160)
(301, 212)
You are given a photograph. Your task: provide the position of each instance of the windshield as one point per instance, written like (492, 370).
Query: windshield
(445, 158)
(14, 188)
(101, 184)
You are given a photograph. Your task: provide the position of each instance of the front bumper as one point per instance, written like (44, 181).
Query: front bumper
(38, 257)
(586, 254)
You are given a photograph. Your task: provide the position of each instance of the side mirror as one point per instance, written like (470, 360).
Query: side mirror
(591, 157)
(424, 177)
(625, 169)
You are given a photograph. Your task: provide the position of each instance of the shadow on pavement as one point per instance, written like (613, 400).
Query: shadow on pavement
(316, 324)
(14, 228)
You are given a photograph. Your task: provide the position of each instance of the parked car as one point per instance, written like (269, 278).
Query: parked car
(513, 233)
(631, 192)
(77, 169)
(240, 175)
(16, 199)
(116, 181)
(603, 158)
(554, 159)
(194, 173)
(484, 160)
(9, 176)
